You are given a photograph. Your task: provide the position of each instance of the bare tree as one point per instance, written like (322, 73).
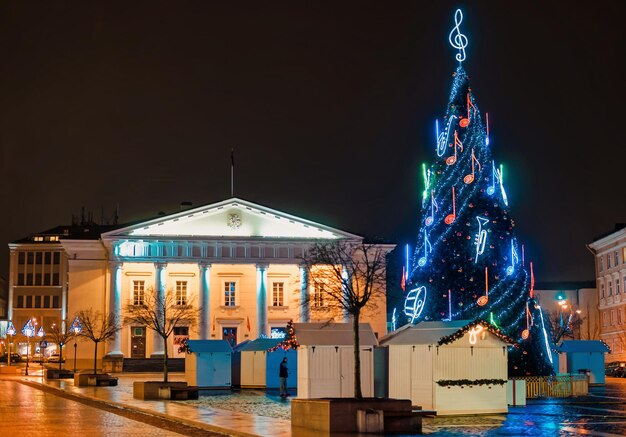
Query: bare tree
(97, 327)
(60, 335)
(564, 325)
(161, 313)
(350, 273)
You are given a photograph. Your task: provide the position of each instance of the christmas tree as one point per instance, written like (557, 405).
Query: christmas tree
(468, 264)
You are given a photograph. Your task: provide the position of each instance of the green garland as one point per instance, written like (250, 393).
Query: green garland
(470, 382)
(491, 328)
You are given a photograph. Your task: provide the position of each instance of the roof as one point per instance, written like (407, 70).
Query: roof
(423, 332)
(618, 227)
(439, 333)
(333, 334)
(239, 346)
(200, 346)
(583, 346)
(260, 344)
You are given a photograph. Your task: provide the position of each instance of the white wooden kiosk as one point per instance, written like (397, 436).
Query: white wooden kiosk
(326, 360)
(254, 356)
(457, 367)
(209, 364)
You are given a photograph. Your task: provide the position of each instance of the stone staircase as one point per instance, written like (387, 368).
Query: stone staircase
(153, 365)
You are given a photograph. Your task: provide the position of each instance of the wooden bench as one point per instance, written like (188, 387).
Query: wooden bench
(183, 393)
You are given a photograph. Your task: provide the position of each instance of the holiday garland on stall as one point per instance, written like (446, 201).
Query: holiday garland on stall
(470, 326)
(468, 263)
(470, 382)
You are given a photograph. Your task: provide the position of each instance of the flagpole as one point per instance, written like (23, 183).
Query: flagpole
(232, 172)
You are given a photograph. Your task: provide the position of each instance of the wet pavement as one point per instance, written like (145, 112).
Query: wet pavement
(601, 413)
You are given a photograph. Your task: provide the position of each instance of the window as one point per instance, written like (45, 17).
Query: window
(37, 301)
(318, 295)
(56, 302)
(278, 294)
(616, 258)
(608, 261)
(230, 334)
(181, 293)
(46, 301)
(20, 302)
(601, 264)
(37, 279)
(29, 279)
(55, 279)
(617, 291)
(619, 316)
(601, 290)
(56, 258)
(29, 301)
(181, 330)
(20, 279)
(38, 257)
(610, 288)
(229, 293)
(139, 290)
(605, 318)
(21, 258)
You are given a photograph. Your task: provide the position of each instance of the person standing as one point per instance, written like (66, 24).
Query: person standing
(283, 374)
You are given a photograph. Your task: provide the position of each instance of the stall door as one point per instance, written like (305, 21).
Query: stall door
(347, 372)
(325, 372)
(221, 369)
(260, 367)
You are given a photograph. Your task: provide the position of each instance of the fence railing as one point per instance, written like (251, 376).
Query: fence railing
(559, 386)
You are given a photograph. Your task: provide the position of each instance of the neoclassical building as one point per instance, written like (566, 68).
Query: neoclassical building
(238, 261)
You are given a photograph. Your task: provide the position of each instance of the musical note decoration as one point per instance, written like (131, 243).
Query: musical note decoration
(464, 122)
(458, 40)
(526, 332)
(449, 307)
(450, 217)
(451, 160)
(514, 260)
(473, 333)
(427, 249)
(532, 281)
(442, 137)
(414, 303)
(482, 300)
(468, 179)
(434, 207)
(492, 187)
(500, 175)
(481, 237)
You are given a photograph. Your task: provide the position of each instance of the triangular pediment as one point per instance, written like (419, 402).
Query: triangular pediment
(232, 218)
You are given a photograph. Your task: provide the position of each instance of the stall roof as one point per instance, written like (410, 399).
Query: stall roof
(260, 344)
(583, 346)
(199, 346)
(333, 334)
(423, 332)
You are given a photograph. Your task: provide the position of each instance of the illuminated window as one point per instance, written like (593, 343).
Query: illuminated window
(318, 296)
(38, 238)
(139, 290)
(278, 294)
(229, 293)
(181, 292)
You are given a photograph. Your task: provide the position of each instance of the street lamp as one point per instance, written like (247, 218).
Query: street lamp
(29, 331)
(10, 331)
(76, 328)
(42, 345)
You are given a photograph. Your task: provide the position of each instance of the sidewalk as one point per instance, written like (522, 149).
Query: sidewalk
(211, 419)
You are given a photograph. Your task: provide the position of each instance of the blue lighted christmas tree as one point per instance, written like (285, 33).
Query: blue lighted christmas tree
(468, 263)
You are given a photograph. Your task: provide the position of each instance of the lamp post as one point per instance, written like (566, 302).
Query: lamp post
(76, 328)
(10, 331)
(42, 345)
(29, 331)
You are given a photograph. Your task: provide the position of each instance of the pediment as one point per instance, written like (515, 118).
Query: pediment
(232, 218)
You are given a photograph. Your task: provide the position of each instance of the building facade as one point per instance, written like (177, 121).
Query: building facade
(610, 256)
(238, 262)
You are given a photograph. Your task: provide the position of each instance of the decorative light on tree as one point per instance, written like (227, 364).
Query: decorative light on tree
(466, 253)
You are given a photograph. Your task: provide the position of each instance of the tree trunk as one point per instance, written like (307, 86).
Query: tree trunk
(60, 356)
(357, 356)
(95, 358)
(164, 359)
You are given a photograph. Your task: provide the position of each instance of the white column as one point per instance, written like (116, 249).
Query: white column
(159, 289)
(261, 299)
(205, 301)
(115, 307)
(305, 300)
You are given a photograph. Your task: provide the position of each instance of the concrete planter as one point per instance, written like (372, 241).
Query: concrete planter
(11, 370)
(59, 374)
(154, 390)
(340, 414)
(91, 380)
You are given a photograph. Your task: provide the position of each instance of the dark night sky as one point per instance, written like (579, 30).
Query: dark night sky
(330, 108)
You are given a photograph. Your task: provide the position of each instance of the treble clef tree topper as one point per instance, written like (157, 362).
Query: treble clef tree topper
(458, 41)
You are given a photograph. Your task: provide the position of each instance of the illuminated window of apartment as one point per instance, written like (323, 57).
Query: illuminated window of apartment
(181, 292)
(318, 295)
(229, 293)
(38, 238)
(278, 294)
(139, 288)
